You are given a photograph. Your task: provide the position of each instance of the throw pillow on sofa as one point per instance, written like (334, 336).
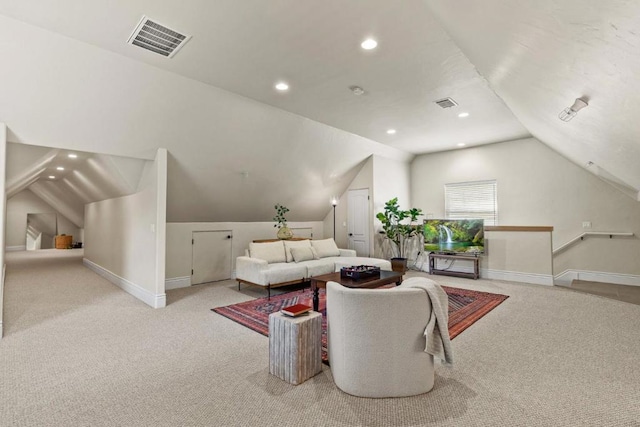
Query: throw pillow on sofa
(325, 248)
(271, 252)
(290, 244)
(303, 254)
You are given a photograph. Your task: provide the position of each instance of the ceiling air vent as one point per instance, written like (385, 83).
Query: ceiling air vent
(157, 38)
(446, 103)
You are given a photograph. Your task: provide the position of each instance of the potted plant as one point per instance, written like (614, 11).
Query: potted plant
(284, 232)
(397, 232)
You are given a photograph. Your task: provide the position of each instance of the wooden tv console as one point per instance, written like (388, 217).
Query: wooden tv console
(433, 270)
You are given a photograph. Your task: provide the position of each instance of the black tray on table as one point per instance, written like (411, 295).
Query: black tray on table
(358, 272)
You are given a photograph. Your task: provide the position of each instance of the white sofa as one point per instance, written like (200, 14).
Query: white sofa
(285, 262)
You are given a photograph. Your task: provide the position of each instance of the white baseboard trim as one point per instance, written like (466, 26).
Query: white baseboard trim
(149, 298)
(177, 283)
(514, 276)
(566, 277)
(15, 248)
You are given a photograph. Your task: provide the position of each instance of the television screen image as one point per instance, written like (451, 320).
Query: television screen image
(459, 236)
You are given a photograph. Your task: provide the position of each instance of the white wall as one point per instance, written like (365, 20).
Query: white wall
(125, 237)
(391, 178)
(536, 186)
(26, 202)
(34, 243)
(63, 93)
(179, 234)
(519, 256)
(363, 180)
(3, 212)
(385, 178)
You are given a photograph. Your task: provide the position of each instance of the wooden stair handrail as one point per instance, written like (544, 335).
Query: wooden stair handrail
(591, 233)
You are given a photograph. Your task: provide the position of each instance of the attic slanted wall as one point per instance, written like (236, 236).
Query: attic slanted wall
(363, 180)
(537, 186)
(125, 237)
(179, 234)
(3, 199)
(231, 158)
(27, 202)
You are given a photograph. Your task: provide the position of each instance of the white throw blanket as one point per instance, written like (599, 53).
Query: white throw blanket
(437, 331)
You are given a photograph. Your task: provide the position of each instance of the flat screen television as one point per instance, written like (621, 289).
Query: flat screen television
(454, 236)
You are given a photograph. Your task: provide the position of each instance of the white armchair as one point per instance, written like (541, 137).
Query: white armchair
(376, 341)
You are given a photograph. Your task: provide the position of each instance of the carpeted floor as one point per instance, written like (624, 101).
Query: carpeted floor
(465, 308)
(78, 351)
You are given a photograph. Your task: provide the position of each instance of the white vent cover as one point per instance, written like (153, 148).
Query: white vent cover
(157, 38)
(446, 103)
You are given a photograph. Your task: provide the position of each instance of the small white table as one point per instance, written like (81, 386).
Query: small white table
(295, 347)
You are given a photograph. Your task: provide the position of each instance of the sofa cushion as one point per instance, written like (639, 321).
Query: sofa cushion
(303, 254)
(325, 248)
(271, 252)
(317, 267)
(284, 272)
(289, 244)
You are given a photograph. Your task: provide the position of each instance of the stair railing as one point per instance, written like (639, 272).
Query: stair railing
(590, 233)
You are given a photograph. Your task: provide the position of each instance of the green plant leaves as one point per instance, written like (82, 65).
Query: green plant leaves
(280, 219)
(391, 220)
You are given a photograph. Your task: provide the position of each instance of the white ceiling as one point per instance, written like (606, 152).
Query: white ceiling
(539, 56)
(86, 178)
(513, 65)
(247, 46)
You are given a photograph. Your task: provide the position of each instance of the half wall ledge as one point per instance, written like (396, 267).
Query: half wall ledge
(518, 253)
(525, 228)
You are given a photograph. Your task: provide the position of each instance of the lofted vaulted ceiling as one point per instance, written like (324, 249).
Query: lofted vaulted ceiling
(67, 180)
(73, 82)
(539, 56)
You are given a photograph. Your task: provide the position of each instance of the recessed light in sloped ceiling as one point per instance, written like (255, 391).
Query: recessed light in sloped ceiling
(155, 37)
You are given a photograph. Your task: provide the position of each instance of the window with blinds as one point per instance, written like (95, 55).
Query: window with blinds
(477, 199)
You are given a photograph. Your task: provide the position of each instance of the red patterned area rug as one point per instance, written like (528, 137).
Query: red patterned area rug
(465, 308)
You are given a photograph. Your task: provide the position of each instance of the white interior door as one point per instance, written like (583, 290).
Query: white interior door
(211, 256)
(358, 221)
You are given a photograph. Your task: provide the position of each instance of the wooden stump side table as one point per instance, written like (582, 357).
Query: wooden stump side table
(295, 348)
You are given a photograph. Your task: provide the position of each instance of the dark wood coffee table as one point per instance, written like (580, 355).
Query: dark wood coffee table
(386, 278)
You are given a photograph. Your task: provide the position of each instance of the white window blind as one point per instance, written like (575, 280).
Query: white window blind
(477, 199)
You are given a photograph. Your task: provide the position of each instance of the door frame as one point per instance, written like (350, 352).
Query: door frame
(368, 226)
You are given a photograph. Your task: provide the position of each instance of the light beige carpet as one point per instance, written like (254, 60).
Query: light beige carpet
(78, 351)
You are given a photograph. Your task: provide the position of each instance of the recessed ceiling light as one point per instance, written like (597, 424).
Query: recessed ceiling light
(369, 44)
(391, 131)
(357, 90)
(52, 177)
(60, 168)
(72, 156)
(462, 144)
(282, 86)
(463, 115)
